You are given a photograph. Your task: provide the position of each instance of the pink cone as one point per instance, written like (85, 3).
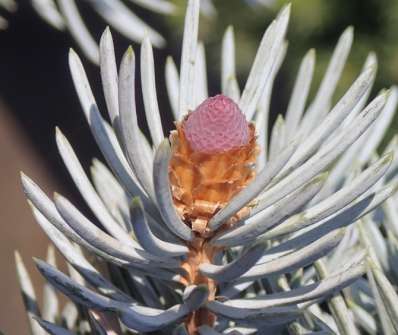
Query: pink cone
(216, 125)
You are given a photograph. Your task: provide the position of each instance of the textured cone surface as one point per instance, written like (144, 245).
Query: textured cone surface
(205, 180)
(217, 125)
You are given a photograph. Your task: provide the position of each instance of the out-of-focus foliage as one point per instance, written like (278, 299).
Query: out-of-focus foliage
(6, 6)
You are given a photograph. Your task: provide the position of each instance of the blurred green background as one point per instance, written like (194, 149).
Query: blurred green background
(36, 94)
(314, 24)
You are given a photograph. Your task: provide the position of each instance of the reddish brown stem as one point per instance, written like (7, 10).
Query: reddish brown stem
(199, 252)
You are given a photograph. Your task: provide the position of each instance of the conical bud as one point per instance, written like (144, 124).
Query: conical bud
(214, 151)
(217, 125)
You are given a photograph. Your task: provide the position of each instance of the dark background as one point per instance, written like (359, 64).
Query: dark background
(37, 94)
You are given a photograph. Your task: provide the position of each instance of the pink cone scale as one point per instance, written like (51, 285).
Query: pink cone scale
(216, 125)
